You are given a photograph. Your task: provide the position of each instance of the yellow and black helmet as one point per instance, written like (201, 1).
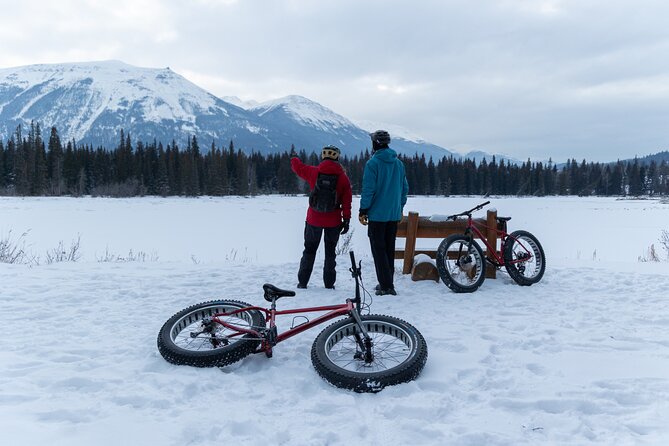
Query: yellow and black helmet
(330, 152)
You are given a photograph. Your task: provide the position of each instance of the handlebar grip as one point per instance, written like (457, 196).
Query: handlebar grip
(352, 259)
(486, 203)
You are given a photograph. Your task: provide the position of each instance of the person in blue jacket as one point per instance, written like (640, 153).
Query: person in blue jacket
(384, 194)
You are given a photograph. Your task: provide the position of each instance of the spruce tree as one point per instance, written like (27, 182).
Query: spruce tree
(39, 183)
(21, 166)
(55, 163)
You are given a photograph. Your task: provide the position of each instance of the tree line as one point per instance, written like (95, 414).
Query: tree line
(33, 166)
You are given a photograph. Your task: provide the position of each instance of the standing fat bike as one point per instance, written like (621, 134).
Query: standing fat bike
(364, 353)
(462, 264)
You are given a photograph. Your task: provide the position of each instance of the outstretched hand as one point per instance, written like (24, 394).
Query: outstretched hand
(293, 153)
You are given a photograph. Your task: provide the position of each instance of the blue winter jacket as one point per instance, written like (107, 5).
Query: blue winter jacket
(384, 187)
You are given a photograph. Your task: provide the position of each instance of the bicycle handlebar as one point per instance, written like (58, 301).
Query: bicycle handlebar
(469, 212)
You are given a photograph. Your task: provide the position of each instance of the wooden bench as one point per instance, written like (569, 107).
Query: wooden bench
(413, 227)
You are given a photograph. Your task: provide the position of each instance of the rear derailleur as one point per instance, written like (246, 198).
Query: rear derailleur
(208, 327)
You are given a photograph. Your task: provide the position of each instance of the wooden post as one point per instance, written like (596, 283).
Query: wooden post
(410, 246)
(491, 235)
(413, 226)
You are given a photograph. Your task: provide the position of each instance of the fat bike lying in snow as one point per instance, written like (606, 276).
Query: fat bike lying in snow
(462, 265)
(363, 353)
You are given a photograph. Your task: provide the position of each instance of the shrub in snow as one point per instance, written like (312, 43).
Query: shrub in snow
(664, 239)
(132, 256)
(650, 256)
(13, 251)
(60, 254)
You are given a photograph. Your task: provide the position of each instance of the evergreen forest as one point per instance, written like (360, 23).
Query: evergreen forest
(31, 165)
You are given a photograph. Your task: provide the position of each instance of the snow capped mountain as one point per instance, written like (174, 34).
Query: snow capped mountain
(408, 142)
(306, 112)
(92, 102)
(310, 126)
(310, 121)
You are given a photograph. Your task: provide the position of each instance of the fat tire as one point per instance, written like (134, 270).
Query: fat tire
(217, 357)
(516, 275)
(445, 274)
(406, 371)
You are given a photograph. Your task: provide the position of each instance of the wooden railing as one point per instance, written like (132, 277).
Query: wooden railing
(413, 227)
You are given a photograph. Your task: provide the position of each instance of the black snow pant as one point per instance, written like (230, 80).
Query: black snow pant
(382, 236)
(312, 238)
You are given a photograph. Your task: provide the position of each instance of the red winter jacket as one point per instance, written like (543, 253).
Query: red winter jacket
(310, 174)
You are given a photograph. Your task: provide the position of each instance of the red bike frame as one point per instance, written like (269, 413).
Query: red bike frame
(270, 336)
(271, 314)
(498, 260)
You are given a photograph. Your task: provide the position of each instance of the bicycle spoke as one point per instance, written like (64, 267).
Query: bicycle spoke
(222, 335)
(387, 350)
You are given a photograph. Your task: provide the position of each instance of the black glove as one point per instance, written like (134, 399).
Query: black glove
(293, 153)
(344, 226)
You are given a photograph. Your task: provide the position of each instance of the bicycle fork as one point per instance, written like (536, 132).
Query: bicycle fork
(464, 260)
(364, 342)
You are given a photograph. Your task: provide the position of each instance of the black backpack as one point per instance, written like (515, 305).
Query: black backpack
(323, 197)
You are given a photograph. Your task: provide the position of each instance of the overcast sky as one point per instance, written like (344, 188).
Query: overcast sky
(527, 78)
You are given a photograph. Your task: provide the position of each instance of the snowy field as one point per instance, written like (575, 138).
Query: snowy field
(580, 358)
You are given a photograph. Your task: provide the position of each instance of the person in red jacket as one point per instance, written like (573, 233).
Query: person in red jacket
(329, 212)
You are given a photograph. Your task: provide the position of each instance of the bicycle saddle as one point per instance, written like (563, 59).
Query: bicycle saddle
(272, 292)
(503, 218)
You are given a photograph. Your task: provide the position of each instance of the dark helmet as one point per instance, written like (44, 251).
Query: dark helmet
(330, 152)
(380, 137)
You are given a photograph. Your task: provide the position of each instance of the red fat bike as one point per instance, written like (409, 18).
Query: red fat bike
(462, 264)
(364, 353)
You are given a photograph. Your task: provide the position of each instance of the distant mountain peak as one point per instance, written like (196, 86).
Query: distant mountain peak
(74, 97)
(306, 111)
(92, 102)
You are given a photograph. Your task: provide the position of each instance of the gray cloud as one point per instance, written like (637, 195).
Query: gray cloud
(529, 78)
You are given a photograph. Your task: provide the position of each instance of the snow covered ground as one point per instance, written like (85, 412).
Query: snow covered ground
(580, 358)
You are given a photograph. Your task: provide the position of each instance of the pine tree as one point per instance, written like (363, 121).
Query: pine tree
(242, 169)
(21, 166)
(232, 169)
(162, 178)
(55, 163)
(634, 179)
(70, 167)
(39, 184)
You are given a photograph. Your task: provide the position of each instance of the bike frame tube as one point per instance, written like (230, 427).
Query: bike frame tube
(333, 311)
(471, 225)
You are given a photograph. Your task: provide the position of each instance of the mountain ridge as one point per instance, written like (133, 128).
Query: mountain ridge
(92, 101)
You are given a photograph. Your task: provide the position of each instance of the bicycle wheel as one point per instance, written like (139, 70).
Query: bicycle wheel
(190, 338)
(461, 263)
(524, 258)
(399, 354)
